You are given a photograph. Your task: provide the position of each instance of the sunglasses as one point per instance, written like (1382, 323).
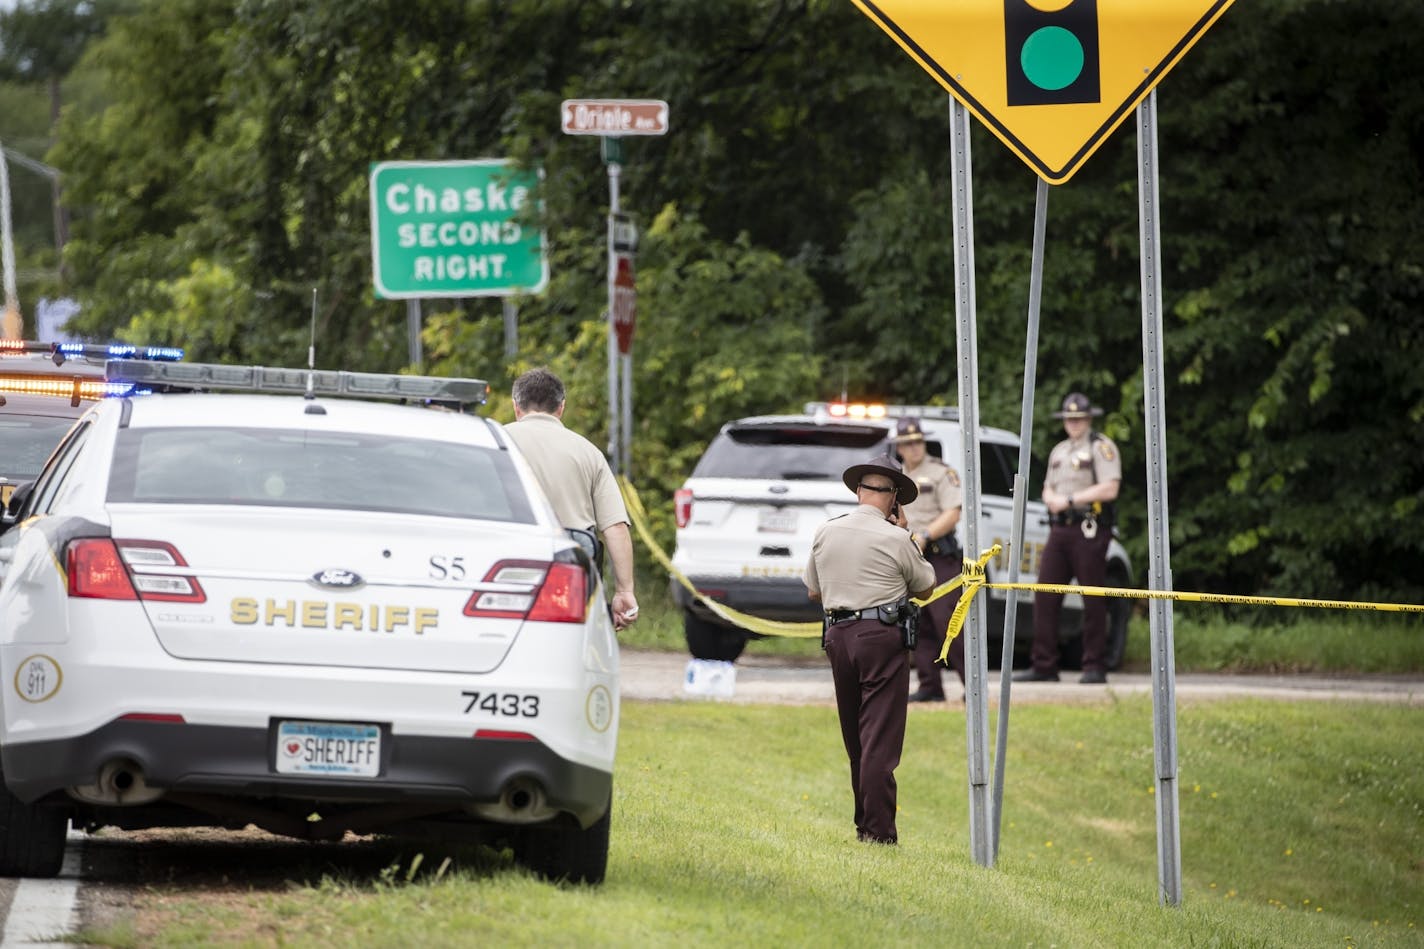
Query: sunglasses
(871, 487)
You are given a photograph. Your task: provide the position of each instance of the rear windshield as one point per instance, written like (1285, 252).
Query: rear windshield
(791, 452)
(284, 468)
(26, 442)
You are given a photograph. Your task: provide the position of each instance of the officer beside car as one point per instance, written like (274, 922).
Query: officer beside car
(576, 477)
(863, 569)
(1080, 491)
(933, 517)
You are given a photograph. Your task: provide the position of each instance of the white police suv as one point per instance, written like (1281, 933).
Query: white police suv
(309, 612)
(748, 513)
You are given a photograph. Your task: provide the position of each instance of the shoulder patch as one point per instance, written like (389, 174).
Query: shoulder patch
(1105, 448)
(953, 476)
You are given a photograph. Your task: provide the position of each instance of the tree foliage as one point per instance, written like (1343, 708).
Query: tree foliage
(798, 236)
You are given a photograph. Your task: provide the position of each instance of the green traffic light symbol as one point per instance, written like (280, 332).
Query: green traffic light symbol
(1052, 58)
(1051, 49)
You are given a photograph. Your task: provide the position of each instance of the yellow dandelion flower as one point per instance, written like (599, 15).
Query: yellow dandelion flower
(1213, 886)
(1213, 795)
(1152, 790)
(1289, 851)
(1048, 843)
(1078, 745)
(1320, 909)
(1196, 788)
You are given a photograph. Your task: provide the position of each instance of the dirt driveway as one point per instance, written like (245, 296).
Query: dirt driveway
(662, 676)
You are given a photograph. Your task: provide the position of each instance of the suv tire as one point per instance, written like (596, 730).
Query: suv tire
(707, 639)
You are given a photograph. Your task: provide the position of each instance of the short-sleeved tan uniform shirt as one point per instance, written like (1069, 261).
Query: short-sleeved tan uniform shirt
(1074, 462)
(573, 473)
(939, 492)
(860, 559)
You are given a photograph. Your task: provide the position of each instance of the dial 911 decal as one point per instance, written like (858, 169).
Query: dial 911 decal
(38, 678)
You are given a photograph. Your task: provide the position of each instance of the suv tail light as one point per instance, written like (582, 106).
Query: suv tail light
(105, 569)
(682, 506)
(545, 592)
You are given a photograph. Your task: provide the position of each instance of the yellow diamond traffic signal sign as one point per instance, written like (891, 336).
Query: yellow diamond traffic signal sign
(1050, 78)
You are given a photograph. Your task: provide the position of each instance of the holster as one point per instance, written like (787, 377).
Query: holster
(904, 614)
(946, 546)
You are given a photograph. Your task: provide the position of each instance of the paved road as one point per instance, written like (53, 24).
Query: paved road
(654, 676)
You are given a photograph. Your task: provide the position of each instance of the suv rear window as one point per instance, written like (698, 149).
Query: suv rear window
(797, 452)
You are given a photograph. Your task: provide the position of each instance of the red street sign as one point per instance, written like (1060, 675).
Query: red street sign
(615, 117)
(625, 299)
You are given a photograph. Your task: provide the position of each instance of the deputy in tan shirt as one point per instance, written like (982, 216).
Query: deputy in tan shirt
(1084, 474)
(859, 561)
(576, 478)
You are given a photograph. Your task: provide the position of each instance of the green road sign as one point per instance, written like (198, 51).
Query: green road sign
(454, 229)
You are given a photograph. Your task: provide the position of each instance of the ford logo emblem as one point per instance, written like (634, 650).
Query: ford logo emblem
(337, 578)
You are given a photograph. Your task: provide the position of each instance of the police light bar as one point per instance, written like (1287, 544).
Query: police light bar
(69, 386)
(92, 350)
(364, 385)
(861, 410)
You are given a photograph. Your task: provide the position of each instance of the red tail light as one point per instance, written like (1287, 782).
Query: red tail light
(564, 596)
(115, 570)
(544, 592)
(682, 506)
(96, 570)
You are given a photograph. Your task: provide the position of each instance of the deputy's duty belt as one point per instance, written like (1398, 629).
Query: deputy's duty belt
(843, 616)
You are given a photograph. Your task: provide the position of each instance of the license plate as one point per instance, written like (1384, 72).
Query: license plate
(776, 521)
(329, 748)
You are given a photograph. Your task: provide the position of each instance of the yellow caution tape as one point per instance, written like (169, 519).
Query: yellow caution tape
(972, 579)
(974, 582)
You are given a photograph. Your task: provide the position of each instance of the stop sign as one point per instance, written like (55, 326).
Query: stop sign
(625, 298)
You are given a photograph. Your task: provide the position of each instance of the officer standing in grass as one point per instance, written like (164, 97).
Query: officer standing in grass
(576, 477)
(932, 518)
(1084, 473)
(863, 569)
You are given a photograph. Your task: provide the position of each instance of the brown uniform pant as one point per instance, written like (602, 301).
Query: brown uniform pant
(1069, 554)
(934, 622)
(872, 675)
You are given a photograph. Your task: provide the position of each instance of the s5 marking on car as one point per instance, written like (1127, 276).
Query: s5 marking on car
(316, 614)
(748, 513)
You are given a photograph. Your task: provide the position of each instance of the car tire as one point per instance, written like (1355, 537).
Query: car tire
(32, 837)
(710, 640)
(568, 853)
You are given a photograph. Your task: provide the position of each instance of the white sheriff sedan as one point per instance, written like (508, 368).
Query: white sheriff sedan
(309, 612)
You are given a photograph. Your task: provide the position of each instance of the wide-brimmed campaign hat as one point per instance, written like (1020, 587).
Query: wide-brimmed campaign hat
(909, 429)
(905, 488)
(1077, 405)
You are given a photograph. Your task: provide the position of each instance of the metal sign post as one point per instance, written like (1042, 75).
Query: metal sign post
(1016, 530)
(976, 660)
(1164, 672)
(613, 156)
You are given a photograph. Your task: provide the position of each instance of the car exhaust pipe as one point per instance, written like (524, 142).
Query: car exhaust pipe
(120, 783)
(521, 801)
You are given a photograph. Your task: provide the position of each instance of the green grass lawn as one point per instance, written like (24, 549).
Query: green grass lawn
(1302, 824)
